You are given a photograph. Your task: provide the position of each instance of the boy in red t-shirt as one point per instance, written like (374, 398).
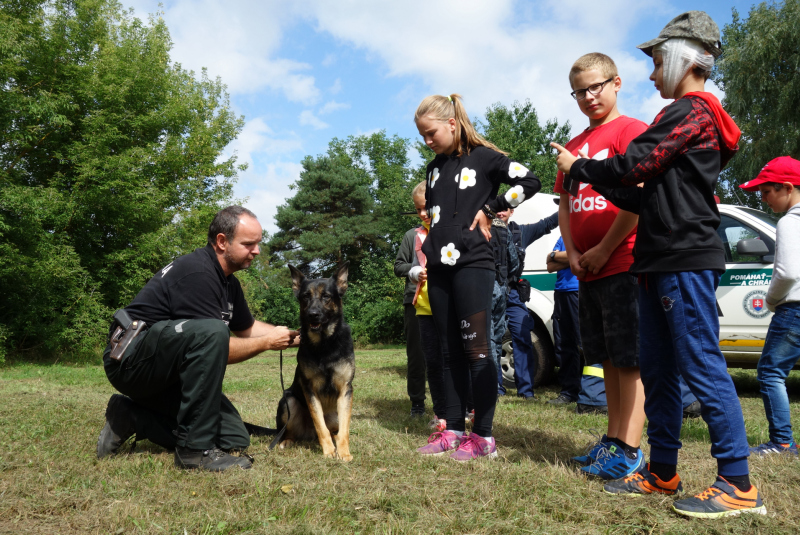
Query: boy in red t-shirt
(680, 258)
(599, 238)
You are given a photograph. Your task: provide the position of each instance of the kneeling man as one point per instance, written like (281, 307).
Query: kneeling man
(171, 372)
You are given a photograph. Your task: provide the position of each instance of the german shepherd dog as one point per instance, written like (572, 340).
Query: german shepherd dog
(319, 402)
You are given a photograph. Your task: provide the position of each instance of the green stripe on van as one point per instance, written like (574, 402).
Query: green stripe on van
(746, 277)
(544, 282)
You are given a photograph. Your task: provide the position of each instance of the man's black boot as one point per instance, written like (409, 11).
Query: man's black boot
(591, 409)
(119, 426)
(692, 411)
(213, 460)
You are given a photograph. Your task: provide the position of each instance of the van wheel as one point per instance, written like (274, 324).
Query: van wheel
(543, 354)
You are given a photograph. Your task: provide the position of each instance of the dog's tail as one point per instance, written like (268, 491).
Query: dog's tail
(258, 431)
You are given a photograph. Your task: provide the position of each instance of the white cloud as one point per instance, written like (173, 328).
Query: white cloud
(307, 118)
(238, 42)
(257, 139)
(511, 51)
(266, 189)
(336, 87)
(332, 106)
(652, 106)
(328, 60)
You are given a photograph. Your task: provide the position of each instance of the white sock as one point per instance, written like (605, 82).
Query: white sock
(458, 433)
(490, 439)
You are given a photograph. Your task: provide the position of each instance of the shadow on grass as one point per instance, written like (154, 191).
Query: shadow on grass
(401, 370)
(395, 415)
(536, 445)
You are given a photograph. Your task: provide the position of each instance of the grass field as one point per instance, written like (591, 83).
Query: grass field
(51, 482)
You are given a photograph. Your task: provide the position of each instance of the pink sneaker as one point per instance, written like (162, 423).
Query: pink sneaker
(475, 447)
(437, 424)
(440, 442)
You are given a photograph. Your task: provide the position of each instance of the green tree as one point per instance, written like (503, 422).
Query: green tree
(384, 160)
(330, 218)
(110, 165)
(347, 206)
(518, 131)
(760, 74)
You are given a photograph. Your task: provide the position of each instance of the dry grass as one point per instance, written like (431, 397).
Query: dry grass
(50, 481)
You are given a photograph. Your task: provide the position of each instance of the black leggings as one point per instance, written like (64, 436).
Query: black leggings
(461, 302)
(434, 364)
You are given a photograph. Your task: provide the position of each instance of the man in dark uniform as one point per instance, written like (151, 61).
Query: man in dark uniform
(171, 374)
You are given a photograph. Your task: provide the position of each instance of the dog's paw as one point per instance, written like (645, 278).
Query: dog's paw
(345, 456)
(329, 455)
(288, 443)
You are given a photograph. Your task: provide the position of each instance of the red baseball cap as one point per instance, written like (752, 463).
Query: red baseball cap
(780, 170)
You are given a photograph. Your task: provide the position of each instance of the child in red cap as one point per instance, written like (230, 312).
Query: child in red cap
(779, 184)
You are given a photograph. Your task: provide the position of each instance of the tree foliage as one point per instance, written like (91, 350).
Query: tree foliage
(330, 218)
(347, 204)
(384, 160)
(109, 163)
(518, 131)
(760, 74)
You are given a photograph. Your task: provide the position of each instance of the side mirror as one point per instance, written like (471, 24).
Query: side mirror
(752, 248)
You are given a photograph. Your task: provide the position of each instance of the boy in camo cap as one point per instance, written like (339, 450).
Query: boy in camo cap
(679, 259)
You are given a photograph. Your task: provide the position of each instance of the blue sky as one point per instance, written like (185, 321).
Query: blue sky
(304, 72)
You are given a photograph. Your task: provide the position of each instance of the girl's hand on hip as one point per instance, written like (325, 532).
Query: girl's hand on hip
(484, 223)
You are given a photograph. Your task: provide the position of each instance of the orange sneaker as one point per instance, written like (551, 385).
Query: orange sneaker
(644, 482)
(719, 500)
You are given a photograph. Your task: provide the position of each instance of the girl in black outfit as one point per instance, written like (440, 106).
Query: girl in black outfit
(461, 199)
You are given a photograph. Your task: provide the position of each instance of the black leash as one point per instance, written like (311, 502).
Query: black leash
(279, 436)
(259, 431)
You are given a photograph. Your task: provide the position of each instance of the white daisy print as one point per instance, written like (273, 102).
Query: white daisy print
(467, 178)
(514, 196)
(434, 176)
(517, 170)
(450, 254)
(434, 214)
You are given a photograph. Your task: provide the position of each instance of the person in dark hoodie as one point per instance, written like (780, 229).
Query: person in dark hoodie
(679, 258)
(461, 200)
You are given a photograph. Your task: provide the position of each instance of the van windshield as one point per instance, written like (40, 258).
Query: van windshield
(762, 216)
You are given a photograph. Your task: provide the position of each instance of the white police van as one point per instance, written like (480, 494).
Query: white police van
(749, 239)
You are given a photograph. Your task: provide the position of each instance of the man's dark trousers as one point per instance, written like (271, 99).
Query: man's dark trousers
(416, 358)
(520, 323)
(567, 337)
(174, 373)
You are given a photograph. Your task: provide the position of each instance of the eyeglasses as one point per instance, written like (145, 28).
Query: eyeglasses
(594, 89)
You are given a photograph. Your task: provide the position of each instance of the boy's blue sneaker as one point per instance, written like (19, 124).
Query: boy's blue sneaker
(770, 447)
(592, 454)
(612, 463)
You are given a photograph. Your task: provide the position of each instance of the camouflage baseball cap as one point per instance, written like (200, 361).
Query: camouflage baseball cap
(696, 25)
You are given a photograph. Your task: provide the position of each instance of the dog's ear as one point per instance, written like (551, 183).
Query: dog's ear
(341, 278)
(297, 279)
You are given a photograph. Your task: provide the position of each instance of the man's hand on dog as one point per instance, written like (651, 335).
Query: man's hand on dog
(259, 338)
(283, 337)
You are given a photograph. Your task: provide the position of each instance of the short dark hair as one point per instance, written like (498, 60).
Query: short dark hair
(225, 222)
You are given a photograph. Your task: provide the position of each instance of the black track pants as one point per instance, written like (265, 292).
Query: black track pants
(461, 302)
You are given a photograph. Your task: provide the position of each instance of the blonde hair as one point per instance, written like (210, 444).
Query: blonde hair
(594, 60)
(441, 108)
(419, 189)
